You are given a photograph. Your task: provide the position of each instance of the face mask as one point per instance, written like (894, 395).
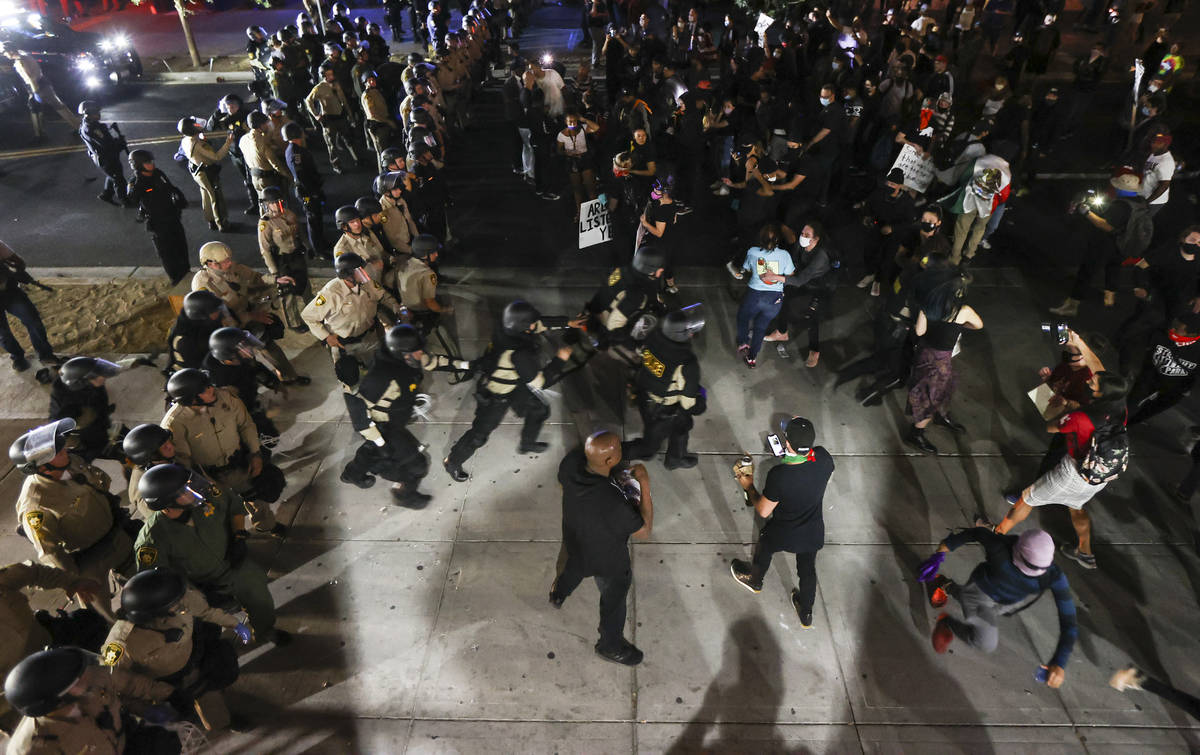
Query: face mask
(835, 65)
(826, 100)
(805, 242)
(1145, 110)
(1152, 88)
(929, 227)
(1192, 249)
(942, 108)
(1071, 357)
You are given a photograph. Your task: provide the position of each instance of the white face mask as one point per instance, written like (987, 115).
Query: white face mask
(826, 100)
(805, 242)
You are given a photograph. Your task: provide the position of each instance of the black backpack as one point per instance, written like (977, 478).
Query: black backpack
(1107, 455)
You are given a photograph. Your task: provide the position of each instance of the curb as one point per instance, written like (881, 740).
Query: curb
(197, 77)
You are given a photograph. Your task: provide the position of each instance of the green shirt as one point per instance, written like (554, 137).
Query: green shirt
(195, 548)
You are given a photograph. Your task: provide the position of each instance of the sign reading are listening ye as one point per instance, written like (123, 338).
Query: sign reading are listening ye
(594, 227)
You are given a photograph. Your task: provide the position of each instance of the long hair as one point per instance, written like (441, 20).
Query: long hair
(1109, 407)
(944, 301)
(768, 237)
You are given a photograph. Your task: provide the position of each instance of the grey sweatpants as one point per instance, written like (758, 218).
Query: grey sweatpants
(978, 627)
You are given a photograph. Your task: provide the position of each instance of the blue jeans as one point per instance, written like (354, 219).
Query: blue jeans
(757, 310)
(17, 304)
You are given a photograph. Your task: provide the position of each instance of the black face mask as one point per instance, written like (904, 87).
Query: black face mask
(928, 227)
(1192, 249)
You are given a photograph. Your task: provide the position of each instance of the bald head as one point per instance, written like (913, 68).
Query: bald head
(603, 451)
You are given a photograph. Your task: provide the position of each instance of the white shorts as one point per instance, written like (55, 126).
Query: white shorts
(1063, 486)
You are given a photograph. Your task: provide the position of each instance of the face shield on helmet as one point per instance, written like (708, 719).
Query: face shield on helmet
(43, 443)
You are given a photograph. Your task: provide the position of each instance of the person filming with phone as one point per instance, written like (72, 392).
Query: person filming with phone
(790, 501)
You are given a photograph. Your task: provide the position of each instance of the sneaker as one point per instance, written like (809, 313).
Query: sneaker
(533, 447)
(734, 271)
(805, 614)
(1086, 560)
(20, 364)
(363, 482)
(626, 655)
(939, 596)
(942, 634)
(549, 195)
(985, 244)
(782, 351)
(687, 461)
(682, 209)
(1012, 498)
(751, 362)
(945, 421)
(776, 337)
(865, 281)
(456, 472)
(875, 288)
(813, 358)
(742, 572)
(723, 191)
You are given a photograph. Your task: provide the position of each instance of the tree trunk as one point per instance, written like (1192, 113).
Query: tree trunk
(187, 33)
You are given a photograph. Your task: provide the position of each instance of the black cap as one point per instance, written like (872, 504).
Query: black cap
(800, 433)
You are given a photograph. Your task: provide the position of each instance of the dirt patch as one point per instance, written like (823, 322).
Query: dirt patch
(110, 317)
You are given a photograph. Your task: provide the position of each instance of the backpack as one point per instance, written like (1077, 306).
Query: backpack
(1134, 239)
(1107, 455)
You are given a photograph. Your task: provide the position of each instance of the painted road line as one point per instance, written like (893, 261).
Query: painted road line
(51, 151)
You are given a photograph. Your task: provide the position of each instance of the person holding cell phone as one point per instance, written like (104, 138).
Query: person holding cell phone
(791, 501)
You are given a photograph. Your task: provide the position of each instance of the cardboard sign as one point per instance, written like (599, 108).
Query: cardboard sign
(764, 23)
(594, 223)
(918, 169)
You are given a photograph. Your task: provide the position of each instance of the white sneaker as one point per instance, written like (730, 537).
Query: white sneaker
(985, 244)
(875, 288)
(723, 191)
(733, 270)
(865, 280)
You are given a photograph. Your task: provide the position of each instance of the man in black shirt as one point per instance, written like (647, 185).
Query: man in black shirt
(1166, 283)
(602, 507)
(792, 497)
(309, 186)
(159, 204)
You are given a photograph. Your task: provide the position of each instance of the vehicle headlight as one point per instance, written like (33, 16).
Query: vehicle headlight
(91, 82)
(86, 65)
(115, 43)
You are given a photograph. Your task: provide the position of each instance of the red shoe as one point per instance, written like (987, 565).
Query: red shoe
(942, 635)
(938, 597)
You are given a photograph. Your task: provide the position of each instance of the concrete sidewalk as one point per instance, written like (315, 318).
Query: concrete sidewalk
(429, 631)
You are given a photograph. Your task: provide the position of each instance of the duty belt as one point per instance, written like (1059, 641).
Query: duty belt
(356, 339)
(106, 539)
(260, 173)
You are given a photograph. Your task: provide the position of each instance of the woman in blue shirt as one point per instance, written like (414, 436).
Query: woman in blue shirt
(768, 265)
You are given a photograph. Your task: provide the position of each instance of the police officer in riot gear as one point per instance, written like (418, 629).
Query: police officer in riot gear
(230, 115)
(417, 282)
(105, 150)
(145, 446)
(159, 205)
(308, 185)
(233, 362)
(384, 404)
(67, 512)
(195, 530)
(212, 430)
(668, 390)
(169, 632)
(511, 376)
(615, 311)
(72, 703)
(282, 250)
(187, 343)
(79, 393)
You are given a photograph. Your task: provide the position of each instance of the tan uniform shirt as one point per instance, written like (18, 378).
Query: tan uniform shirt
(20, 634)
(209, 435)
(375, 107)
(146, 650)
(261, 156)
(365, 245)
(398, 224)
(345, 313)
(246, 285)
(277, 235)
(62, 517)
(416, 283)
(327, 98)
(29, 71)
(99, 729)
(200, 152)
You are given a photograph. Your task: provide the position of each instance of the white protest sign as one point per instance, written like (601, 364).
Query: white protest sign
(764, 23)
(917, 167)
(594, 227)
